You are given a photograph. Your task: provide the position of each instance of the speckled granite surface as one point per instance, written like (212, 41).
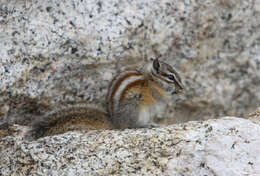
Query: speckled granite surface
(66, 51)
(57, 52)
(226, 146)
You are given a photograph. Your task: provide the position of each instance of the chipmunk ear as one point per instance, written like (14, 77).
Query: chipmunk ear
(156, 65)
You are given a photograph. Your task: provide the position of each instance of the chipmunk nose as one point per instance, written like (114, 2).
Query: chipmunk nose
(178, 89)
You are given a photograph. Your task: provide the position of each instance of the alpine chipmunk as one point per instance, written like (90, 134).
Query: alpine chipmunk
(135, 99)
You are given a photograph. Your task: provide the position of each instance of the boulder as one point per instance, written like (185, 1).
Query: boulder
(224, 146)
(68, 51)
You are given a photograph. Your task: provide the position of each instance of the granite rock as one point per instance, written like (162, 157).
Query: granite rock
(54, 52)
(225, 146)
(58, 52)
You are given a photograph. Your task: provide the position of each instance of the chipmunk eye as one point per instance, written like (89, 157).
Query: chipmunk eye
(171, 77)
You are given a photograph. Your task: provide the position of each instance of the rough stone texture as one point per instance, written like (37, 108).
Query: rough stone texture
(226, 146)
(59, 51)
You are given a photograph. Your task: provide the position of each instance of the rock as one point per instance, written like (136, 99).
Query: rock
(56, 52)
(225, 146)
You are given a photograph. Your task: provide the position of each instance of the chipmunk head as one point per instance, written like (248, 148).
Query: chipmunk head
(165, 75)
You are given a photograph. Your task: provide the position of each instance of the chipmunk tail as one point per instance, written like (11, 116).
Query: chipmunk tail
(72, 118)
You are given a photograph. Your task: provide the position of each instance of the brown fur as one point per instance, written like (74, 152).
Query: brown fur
(73, 118)
(115, 83)
(119, 81)
(148, 97)
(147, 88)
(133, 88)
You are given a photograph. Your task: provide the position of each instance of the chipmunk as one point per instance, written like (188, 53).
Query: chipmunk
(135, 99)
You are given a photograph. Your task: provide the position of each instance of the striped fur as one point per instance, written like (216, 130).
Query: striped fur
(118, 85)
(137, 97)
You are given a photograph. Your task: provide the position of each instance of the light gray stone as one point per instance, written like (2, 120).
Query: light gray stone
(54, 52)
(60, 51)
